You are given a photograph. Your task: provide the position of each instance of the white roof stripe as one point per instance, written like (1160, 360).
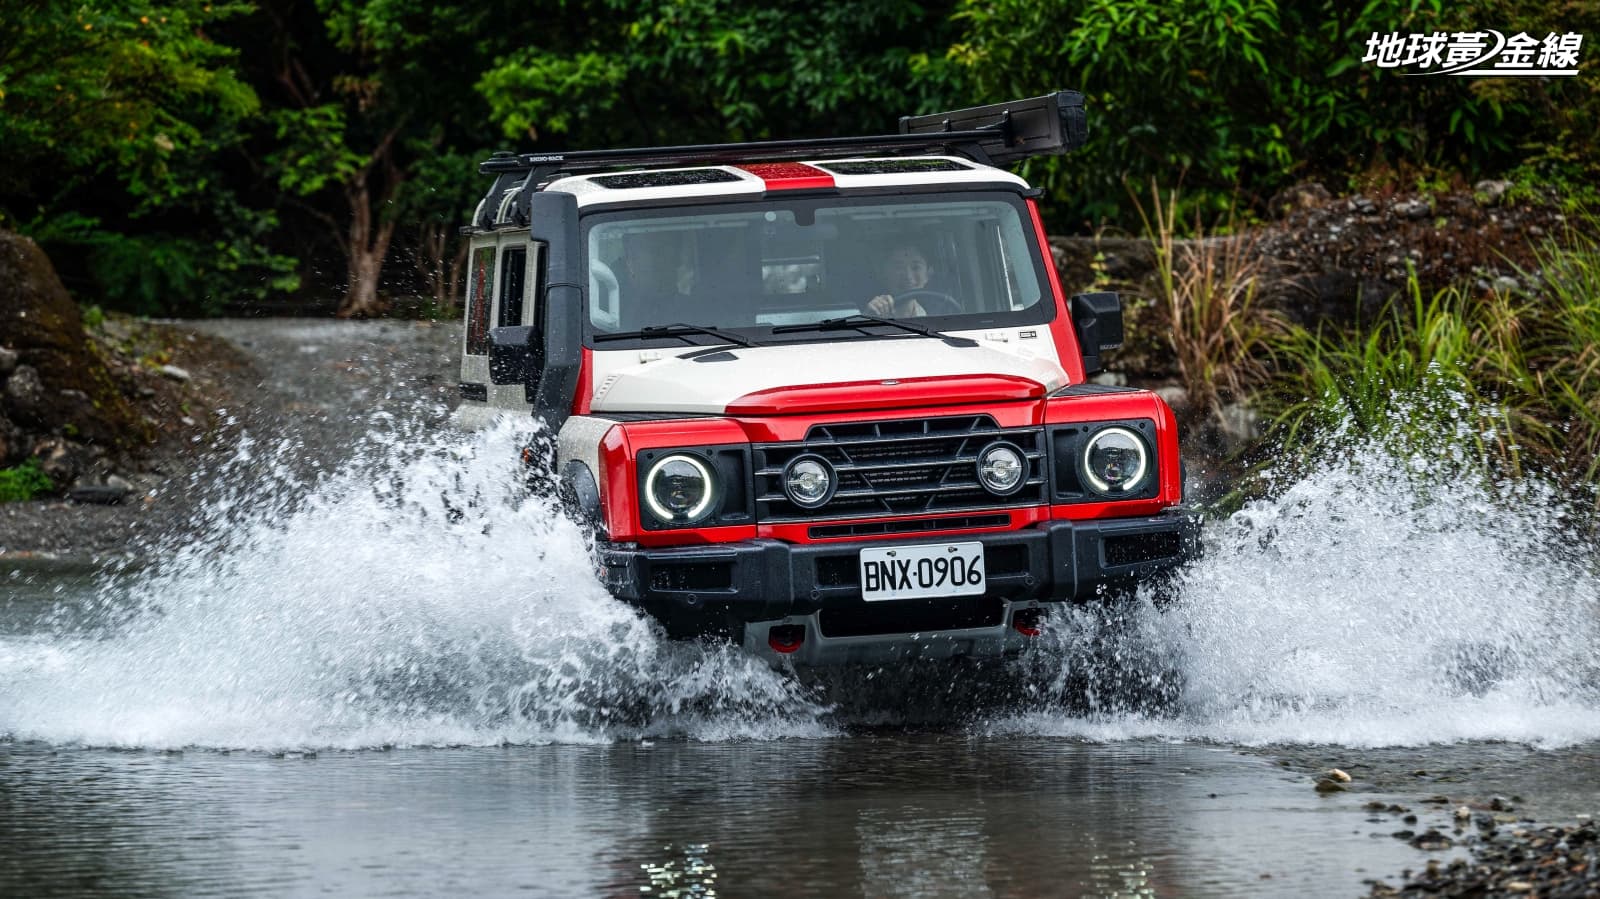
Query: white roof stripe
(589, 193)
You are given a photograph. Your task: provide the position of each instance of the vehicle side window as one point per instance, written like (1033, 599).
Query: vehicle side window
(533, 312)
(514, 263)
(480, 287)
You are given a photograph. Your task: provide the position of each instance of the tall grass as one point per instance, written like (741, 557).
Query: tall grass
(1570, 344)
(1527, 367)
(1207, 287)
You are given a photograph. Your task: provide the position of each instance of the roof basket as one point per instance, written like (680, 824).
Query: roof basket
(998, 134)
(1038, 126)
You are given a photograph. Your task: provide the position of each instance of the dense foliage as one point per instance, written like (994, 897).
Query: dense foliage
(1249, 95)
(176, 156)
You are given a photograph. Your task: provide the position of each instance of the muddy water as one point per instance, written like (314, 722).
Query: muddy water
(398, 675)
(897, 815)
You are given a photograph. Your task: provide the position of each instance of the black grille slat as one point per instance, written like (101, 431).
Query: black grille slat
(900, 467)
(882, 528)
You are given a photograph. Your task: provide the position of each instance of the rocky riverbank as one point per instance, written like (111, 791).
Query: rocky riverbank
(199, 387)
(1490, 819)
(1511, 860)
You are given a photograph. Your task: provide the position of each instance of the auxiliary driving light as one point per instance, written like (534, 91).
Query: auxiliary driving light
(679, 489)
(1115, 461)
(808, 481)
(1002, 469)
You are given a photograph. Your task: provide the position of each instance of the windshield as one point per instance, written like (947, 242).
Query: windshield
(966, 263)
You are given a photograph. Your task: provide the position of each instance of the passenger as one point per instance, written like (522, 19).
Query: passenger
(652, 280)
(902, 270)
(652, 276)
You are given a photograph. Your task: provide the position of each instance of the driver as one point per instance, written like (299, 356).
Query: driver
(903, 269)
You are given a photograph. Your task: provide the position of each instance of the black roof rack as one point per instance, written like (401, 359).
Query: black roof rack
(997, 134)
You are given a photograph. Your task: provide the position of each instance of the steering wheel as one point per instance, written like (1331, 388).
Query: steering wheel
(933, 302)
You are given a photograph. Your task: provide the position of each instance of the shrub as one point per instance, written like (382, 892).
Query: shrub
(24, 482)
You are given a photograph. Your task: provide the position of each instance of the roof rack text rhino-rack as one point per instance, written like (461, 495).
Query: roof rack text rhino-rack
(997, 134)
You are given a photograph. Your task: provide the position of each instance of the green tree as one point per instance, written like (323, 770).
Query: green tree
(113, 117)
(373, 115)
(116, 84)
(626, 72)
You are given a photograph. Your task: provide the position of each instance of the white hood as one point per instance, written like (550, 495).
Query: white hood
(711, 383)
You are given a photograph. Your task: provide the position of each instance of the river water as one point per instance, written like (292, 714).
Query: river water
(400, 677)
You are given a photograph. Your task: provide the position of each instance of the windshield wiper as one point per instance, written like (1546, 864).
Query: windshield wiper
(680, 331)
(859, 322)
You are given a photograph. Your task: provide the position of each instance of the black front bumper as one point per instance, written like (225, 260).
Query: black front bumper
(763, 580)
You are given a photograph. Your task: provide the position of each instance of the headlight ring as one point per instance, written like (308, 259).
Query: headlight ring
(1116, 461)
(680, 489)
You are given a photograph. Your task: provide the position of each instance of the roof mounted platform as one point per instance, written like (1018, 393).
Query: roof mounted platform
(998, 134)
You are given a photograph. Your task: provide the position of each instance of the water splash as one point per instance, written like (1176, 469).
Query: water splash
(418, 595)
(1393, 593)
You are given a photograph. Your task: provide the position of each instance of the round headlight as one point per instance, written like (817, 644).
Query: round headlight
(1115, 461)
(679, 489)
(808, 481)
(1002, 469)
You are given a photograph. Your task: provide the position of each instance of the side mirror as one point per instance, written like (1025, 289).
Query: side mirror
(1097, 317)
(510, 354)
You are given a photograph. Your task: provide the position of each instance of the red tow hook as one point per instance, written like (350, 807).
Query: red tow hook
(1028, 622)
(786, 638)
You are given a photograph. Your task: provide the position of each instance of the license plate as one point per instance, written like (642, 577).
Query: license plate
(917, 572)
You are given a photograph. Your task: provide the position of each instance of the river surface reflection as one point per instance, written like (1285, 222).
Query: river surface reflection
(885, 815)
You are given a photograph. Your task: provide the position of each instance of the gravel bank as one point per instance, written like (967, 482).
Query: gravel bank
(1551, 861)
(315, 381)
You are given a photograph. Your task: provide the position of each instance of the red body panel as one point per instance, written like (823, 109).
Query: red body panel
(904, 393)
(619, 451)
(789, 175)
(1066, 341)
(580, 403)
(788, 428)
(622, 444)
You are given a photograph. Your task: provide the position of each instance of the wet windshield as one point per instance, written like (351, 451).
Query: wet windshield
(967, 263)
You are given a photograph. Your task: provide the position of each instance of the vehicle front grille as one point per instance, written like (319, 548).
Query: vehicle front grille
(899, 468)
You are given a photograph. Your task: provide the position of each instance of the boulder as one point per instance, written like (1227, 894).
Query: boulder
(11, 445)
(63, 460)
(1304, 195)
(1085, 262)
(42, 325)
(24, 398)
(1491, 192)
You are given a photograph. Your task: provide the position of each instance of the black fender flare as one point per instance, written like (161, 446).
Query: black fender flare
(579, 495)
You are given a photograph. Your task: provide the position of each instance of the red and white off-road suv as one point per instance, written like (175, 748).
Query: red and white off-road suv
(826, 397)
